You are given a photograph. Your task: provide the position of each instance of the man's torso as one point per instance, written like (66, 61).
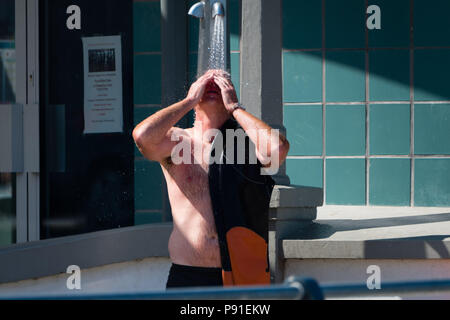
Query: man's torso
(194, 240)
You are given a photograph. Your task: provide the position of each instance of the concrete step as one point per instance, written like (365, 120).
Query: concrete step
(372, 233)
(345, 243)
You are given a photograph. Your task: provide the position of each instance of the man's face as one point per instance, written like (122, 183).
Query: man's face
(212, 96)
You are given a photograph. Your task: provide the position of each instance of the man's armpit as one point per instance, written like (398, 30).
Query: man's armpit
(167, 162)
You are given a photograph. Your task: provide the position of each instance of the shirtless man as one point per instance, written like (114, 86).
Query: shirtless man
(193, 245)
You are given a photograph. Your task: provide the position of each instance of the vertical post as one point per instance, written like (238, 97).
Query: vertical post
(21, 98)
(31, 122)
(174, 64)
(261, 67)
(292, 208)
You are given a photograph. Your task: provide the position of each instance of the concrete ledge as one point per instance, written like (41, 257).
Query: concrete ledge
(50, 257)
(289, 214)
(371, 233)
(376, 249)
(296, 197)
(292, 208)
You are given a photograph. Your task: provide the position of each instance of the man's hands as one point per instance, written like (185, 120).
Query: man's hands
(229, 96)
(197, 89)
(223, 80)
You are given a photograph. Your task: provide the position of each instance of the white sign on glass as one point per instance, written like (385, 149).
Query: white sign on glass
(103, 101)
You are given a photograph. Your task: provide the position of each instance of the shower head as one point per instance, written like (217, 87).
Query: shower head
(213, 36)
(197, 10)
(218, 10)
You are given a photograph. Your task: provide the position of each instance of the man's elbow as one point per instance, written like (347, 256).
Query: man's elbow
(138, 137)
(283, 149)
(277, 156)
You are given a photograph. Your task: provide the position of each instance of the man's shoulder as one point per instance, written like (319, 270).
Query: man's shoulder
(175, 134)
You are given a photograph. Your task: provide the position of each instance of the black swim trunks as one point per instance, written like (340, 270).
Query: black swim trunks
(187, 276)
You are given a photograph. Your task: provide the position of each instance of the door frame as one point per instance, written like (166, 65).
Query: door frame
(27, 95)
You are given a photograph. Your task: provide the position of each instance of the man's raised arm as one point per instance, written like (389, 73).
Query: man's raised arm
(272, 147)
(153, 135)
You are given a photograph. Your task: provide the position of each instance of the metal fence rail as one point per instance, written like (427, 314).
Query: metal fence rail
(294, 288)
(257, 293)
(429, 286)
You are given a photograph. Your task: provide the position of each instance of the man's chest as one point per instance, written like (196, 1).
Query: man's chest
(191, 174)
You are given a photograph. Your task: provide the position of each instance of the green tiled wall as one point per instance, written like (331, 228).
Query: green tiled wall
(345, 130)
(147, 78)
(390, 129)
(377, 101)
(390, 182)
(147, 99)
(304, 130)
(345, 67)
(432, 129)
(148, 217)
(147, 29)
(346, 181)
(192, 70)
(432, 186)
(344, 23)
(305, 172)
(309, 15)
(431, 70)
(235, 62)
(395, 24)
(234, 24)
(431, 27)
(302, 72)
(192, 30)
(148, 190)
(389, 75)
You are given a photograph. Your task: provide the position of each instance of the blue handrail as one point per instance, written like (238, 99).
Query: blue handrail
(276, 292)
(294, 288)
(428, 286)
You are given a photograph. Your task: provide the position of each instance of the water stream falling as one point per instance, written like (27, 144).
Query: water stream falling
(217, 50)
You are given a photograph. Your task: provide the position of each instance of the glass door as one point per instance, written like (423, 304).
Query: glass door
(87, 151)
(19, 122)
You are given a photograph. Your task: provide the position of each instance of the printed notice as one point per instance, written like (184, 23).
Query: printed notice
(103, 102)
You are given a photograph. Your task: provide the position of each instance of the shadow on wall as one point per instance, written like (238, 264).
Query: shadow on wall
(326, 228)
(389, 76)
(410, 247)
(309, 27)
(387, 248)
